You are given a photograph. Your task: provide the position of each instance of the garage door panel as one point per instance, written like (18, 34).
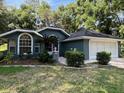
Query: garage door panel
(107, 47)
(98, 46)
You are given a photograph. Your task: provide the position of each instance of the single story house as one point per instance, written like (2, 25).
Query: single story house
(24, 42)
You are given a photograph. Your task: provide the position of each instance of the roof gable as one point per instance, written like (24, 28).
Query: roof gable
(53, 28)
(20, 30)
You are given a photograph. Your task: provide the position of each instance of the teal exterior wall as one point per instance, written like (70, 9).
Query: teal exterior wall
(14, 36)
(48, 32)
(86, 48)
(80, 45)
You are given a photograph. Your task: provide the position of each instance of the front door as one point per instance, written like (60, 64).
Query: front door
(51, 44)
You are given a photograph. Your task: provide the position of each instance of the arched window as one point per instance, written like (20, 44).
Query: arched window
(25, 44)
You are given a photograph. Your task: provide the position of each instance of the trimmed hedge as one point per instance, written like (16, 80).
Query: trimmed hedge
(46, 58)
(103, 57)
(74, 58)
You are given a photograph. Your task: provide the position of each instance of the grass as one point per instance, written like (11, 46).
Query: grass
(3, 47)
(63, 80)
(12, 70)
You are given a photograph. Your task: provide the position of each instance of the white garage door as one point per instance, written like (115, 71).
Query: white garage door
(98, 46)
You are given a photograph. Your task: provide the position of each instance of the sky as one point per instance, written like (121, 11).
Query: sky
(53, 3)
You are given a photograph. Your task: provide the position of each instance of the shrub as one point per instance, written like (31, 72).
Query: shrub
(8, 58)
(74, 58)
(1, 56)
(103, 57)
(46, 58)
(122, 53)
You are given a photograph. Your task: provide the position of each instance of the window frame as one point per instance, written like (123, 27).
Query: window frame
(20, 46)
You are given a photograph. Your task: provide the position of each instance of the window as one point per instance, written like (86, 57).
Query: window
(12, 50)
(12, 46)
(37, 48)
(25, 44)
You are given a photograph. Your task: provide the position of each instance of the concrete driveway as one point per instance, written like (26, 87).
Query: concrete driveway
(118, 62)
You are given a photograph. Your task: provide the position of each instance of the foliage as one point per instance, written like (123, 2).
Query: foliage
(16, 18)
(122, 53)
(1, 3)
(122, 49)
(1, 56)
(4, 19)
(121, 31)
(100, 15)
(103, 57)
(8, 58)
(74, 58)
(45, 57)
(67, 17)
(45, 13)
(25, 17)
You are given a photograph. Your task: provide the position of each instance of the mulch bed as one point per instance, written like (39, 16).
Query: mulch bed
(24, 62)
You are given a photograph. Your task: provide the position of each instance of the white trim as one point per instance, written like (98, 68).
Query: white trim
(89, 48)
(90, 37)
(20, 30)
(54, 29)
(18, 50)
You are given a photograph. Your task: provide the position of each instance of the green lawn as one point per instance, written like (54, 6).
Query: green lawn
(12, 70)
(61, 80)
(3, 47)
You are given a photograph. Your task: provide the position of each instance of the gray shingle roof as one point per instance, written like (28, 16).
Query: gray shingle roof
(84, 32)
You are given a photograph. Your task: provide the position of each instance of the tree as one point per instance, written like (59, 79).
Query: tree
(16, 18)
(66, 18)
(5, 17)
(100, 15)
(24, 17)
(121, 30)
(45, 13)
(1, 2)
